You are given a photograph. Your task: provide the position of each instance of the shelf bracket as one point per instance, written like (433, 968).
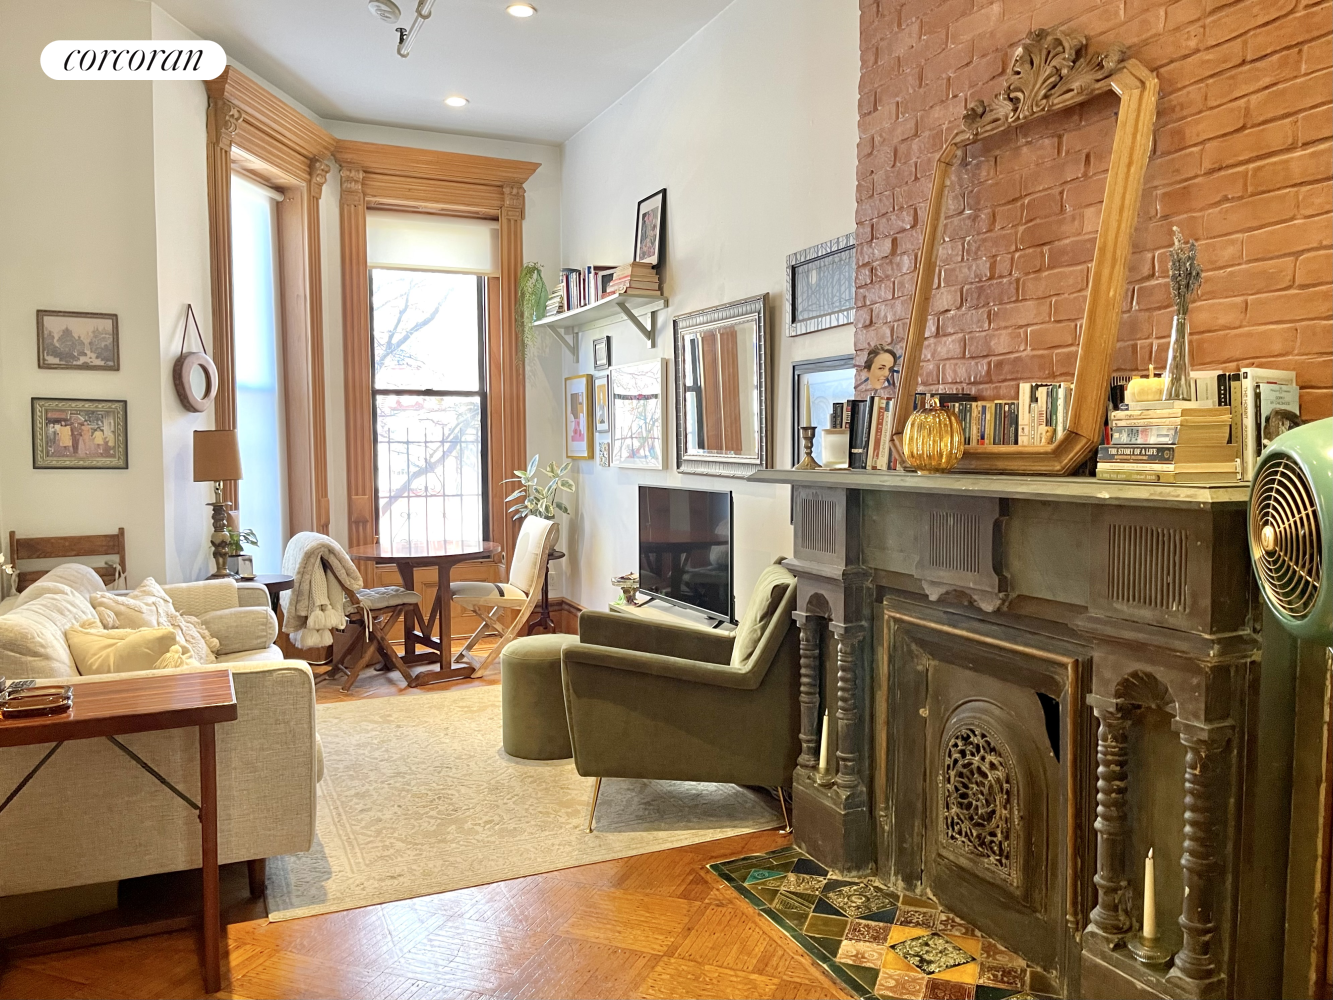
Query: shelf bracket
(571, 344)
(649, 332)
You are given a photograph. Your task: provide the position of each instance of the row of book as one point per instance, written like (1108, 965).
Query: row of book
(1169, 442)
(1038, 416)
(581, 287)
(1261, 402)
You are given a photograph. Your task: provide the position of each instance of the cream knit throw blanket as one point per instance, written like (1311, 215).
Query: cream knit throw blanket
(313, 608)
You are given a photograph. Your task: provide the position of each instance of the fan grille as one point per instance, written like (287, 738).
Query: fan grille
(1285, 537)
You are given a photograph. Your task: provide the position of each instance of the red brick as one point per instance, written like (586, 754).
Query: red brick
(1307, 303)
(1307, 92)
(1224, 314)
(1026, 154)
(939, 348)
(1206, 63)
(990, 293)
(1253, 76)
(1317, 55)
(1152, 295)
(1250, 213)
(1317, 199)
(1041, 338)
(965, 372)
(1202, 192)
(996, 342)
(1315, 163)
(1021, 314)
(1075, 251)
(1050, 230)
(989, 244)
(1249, 145)
(1289, 31)
(1042, 206)
(1055, 173)
(1314, 337)
(1243, 17)
(1314, 125)
(964, 321)
(1183, 12)
(1054, 282)
(1023, 367)
(1068, 307)
(1315, 269)
(1304, 234)
(1251, 279)
(1201, 128)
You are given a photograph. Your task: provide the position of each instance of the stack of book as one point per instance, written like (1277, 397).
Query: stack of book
(636, 278)
(1170, 442)
(555, 303)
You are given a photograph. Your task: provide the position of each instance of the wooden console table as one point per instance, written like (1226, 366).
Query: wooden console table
(140, 704)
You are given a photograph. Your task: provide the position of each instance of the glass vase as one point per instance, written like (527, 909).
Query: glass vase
(1177, 375)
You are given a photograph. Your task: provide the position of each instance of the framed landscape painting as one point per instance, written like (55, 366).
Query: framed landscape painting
(578, 411)
(79, 434)
(78, 340)
(637, 415)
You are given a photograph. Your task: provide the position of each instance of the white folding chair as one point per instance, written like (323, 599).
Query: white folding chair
(488, 601)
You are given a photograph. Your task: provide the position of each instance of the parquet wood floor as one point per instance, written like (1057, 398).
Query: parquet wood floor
(656, 925)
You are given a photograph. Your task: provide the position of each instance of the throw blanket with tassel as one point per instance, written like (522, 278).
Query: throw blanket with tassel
(313, 608)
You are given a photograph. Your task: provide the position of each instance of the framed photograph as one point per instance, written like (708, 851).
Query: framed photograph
(830, 380)
(821, 286)
(638, 414)
(601, 403)
(78, 340)
(601, 354)
(604, 454)
(578, 404)
(649, 228)
(79, 434)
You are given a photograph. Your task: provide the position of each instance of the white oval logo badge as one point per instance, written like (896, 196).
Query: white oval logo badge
(159, 59)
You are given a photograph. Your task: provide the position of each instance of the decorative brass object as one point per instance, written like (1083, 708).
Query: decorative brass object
(1051, 69)
(934, 440)
(808, 446)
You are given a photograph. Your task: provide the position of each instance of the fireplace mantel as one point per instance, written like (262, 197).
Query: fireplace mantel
(1100, 642)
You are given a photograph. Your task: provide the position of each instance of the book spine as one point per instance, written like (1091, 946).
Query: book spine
(1136, 453)
(1247, 409)
(1144, 435)
(1234, 396)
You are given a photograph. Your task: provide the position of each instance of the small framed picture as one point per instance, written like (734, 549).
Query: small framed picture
(601, 403)
(649, 228)
(78, 340)
(604, 454)
(638, 412)
(79, 434)
(578, 400)
(601, 354)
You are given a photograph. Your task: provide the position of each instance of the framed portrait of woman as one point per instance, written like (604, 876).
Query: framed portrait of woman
(877, 375)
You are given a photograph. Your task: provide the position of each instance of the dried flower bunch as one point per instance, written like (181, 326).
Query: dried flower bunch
(1186, 275)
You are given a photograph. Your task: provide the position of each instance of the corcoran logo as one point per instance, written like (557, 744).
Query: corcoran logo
(133, 60)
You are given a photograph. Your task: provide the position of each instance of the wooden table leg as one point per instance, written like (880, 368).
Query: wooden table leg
(208, 824)
(442, 574)
(412, 617)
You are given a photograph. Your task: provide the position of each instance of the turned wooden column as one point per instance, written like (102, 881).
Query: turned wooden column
(849, 638)
(810, 627)
(1110, 917)
(1207, 767)
(319, 173)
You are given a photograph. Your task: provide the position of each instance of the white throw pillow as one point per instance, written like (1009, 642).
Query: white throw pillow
(121, 651)
(78, 576)
(32, 636)
(148, 606)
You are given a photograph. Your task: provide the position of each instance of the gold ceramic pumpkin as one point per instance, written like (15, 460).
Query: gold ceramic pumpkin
(933, 439)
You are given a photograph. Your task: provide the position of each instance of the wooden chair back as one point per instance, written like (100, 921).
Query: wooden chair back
(68, 547)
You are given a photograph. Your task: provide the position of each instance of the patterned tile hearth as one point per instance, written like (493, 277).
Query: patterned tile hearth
(875, 942)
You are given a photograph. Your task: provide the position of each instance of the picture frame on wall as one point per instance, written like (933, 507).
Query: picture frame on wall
(650, 228)
(831, 380)
(638, 415)
(601, 404)
(821, 286)
(78, 341)
(601, 353)
(578, 414)
(604, 454)
(79, 434)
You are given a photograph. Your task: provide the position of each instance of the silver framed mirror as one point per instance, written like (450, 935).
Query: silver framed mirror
(722, 389)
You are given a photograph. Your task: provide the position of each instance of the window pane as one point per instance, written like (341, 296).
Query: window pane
(429, 467)
(425, 330)
(259, 422)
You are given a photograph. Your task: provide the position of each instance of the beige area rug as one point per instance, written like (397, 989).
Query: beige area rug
(418, 797)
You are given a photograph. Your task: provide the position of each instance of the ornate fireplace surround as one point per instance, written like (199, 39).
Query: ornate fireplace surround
(1030, 682)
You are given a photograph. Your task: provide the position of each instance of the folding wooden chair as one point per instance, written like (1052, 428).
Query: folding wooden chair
(520, 595)
(371, 616)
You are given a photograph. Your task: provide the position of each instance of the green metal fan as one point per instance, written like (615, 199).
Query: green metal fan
(1291, 529)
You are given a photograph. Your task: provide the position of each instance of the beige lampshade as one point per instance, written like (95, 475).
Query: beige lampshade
(217, 456)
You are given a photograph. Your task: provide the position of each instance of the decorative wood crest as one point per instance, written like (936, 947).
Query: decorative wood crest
(1051, 69)
(319, 173)
(1146, 689)
(225, 121)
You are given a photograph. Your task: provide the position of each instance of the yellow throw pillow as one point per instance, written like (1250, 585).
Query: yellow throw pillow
(118, 651)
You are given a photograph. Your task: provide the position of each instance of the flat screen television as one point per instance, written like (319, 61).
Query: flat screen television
(685, 549)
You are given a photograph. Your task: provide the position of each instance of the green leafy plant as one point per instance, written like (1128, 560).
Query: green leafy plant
(237, 538)
(536, 499)
(532, 295)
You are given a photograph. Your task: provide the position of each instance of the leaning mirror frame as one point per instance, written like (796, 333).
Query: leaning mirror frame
(720, 463)
(1051, 70)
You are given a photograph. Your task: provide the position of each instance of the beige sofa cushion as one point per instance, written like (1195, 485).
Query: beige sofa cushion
(240, 629)
(148, 606)
(121, 651)
(32, 635)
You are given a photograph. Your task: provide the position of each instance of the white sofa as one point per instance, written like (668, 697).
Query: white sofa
(92, 815)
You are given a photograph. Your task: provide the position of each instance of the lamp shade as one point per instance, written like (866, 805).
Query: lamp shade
(217, 456)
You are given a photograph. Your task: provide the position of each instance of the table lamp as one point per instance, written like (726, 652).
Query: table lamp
(217, 459)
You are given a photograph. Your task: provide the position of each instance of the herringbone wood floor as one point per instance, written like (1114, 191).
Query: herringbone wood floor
(657, 925)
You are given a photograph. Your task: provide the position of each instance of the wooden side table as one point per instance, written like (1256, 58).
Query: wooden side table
(544, 621)
(141, 705)
(275, 583)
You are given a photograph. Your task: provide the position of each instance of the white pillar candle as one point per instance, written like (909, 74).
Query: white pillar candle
(825, 751)
(1149, 898)
(805, 422)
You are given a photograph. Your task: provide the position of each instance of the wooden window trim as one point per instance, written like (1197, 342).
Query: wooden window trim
(256, 134)
(424, 180)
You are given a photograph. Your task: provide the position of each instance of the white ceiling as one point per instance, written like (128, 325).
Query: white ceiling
(541, 78)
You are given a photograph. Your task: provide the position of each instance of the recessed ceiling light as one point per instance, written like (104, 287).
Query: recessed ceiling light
(455, 102)
(521, 9)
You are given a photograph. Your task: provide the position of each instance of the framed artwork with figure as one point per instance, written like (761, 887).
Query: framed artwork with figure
(649, 228)
(578, 407)
(878, 373)
(601, 403)
(79, 434)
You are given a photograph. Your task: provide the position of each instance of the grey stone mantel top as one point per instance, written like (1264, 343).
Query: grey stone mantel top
(1070, 489)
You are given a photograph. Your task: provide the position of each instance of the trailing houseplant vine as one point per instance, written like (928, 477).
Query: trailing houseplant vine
(532, 294)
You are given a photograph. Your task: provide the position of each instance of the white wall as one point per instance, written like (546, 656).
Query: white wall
(751, 128)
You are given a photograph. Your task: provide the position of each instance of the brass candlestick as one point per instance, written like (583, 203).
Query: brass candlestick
(808, 446)
(1149, 950)
(221, 541)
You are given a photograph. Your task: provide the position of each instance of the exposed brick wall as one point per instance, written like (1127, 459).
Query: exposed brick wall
(1242, 162)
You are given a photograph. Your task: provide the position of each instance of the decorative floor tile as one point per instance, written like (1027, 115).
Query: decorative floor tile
(872, 941)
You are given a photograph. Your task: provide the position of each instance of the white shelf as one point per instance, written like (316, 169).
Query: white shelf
(567, 326)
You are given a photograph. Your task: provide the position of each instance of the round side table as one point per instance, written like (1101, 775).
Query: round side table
(544, 621)
(275, 583)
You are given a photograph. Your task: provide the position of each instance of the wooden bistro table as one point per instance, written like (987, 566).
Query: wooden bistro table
(115, 708)
(433, 632)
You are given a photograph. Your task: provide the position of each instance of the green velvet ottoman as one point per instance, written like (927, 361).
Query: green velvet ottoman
(533, 699)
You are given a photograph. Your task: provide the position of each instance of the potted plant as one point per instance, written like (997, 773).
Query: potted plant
(239, 564)
(531, 306)
(535, 499)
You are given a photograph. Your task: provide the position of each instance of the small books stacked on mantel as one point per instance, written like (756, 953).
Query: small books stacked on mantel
(1170, 442)
(637, 278)
(579, 288)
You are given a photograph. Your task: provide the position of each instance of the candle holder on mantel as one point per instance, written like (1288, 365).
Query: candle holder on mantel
(1150, 951)
(808, 446)
(1147, 947)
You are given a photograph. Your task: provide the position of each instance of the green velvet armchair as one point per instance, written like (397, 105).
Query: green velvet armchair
(650, 700)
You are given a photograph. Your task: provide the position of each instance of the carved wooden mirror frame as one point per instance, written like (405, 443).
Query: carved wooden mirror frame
(1051, 70)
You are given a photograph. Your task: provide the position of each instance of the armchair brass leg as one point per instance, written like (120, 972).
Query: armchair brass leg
(786, 818)
(592, 806)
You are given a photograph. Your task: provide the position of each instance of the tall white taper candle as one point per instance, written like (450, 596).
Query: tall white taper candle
(805, 414)
(1149, 898)
(825, 751)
